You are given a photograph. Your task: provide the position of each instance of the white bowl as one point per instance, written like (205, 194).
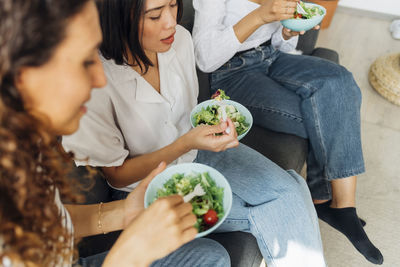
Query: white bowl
(299, 25)
(242, 109)
(186, 168)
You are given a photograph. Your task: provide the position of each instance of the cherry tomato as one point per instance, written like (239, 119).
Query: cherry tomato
(210, 218)
(217, 93)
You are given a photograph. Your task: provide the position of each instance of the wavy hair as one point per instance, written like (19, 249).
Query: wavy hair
(32, 162)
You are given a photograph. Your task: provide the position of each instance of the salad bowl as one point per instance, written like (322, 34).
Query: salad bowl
(202, 107)
(159, 185)
(305, 22)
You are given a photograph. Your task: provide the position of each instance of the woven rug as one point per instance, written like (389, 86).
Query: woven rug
(384, 77)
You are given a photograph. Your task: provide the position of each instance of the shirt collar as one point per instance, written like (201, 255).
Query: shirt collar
(144, 92)
(123, 73)
(118, 73)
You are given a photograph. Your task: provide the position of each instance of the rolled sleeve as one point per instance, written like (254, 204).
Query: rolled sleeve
(214, 43)
(98, 142)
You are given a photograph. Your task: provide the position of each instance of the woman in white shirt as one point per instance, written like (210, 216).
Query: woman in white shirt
(243, 44)
(48, 65)
(142, 117)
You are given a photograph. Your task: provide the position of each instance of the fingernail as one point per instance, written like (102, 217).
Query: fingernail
(161, 163)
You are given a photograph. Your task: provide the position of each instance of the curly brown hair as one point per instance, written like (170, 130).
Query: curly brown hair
(32, 162)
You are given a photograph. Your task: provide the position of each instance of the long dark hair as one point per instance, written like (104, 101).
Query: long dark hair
(120, 20)
(31, 159)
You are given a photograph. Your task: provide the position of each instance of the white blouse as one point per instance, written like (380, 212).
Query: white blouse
(214, 39)
(129, 117)
(66, 222)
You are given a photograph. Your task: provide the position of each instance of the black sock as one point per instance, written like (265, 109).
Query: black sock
(363, 223)
(347, 222)
(320, 210)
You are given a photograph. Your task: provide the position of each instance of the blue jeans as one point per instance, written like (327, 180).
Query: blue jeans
(199, 252)
(91, 261)
(302, 95)
(272, 204)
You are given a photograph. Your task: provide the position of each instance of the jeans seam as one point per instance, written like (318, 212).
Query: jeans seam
(299, 84)
(236, 221)
(251, 219)
(262, 54)
(319, 132)
(271, 110)
(326, 194)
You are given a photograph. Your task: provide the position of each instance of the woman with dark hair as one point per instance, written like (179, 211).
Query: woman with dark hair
(49, 63)
(142, 117)
(244, 46)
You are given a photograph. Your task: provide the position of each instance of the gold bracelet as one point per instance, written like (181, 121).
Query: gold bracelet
(99, 225)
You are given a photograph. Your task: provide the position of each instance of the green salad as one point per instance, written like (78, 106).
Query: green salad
(311, 11)
(207, 208)
(212, 114)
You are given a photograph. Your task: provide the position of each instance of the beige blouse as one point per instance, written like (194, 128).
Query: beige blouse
(129, 117)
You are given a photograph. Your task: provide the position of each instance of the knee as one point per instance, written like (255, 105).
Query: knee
(213, 253)
(296, 189)
(349, 84)
(344, 86)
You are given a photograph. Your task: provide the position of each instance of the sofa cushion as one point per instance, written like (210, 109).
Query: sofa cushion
(326, 53)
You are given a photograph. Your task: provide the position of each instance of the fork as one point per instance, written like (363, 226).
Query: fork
(300, 10)
(222, 105)
(198, 191)
(224, 116)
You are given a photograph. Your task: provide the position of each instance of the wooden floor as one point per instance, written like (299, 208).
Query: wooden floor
(359, 40)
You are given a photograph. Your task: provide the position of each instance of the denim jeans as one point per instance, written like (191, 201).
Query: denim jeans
(91, 261)
(302, 95)
(199, 252)
(272, 204)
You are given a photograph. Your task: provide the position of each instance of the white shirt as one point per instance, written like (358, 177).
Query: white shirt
(66, 222)
(214, 39)
(129, 117)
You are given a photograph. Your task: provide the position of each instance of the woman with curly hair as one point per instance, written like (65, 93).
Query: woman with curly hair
(48, 65)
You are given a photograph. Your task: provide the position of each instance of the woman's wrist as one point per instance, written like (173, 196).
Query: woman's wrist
(285, 36)
(126, 218)
(129, 213)
(257, 17)
(182, 145)
(111, 216)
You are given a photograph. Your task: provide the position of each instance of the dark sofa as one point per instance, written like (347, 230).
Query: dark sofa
(286, 150)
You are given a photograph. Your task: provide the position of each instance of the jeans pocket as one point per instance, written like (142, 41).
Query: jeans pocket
(226, 70)
(234, 63)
